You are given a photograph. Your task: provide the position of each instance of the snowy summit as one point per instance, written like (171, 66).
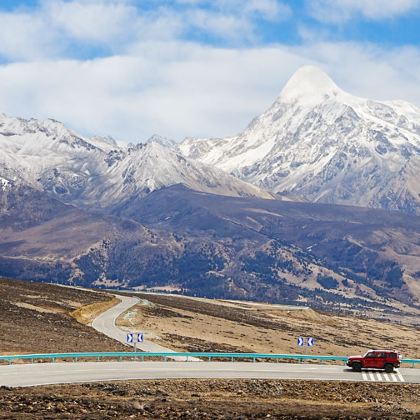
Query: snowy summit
(323, 144)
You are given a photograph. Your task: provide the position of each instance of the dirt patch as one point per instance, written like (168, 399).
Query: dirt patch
(43, 310)
(86, 314)
(213, 399)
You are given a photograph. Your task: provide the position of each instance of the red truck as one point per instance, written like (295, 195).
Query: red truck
(375, 359)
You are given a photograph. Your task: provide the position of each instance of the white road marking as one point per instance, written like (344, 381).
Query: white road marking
(395, 377)
(400, 376)
(383, 376)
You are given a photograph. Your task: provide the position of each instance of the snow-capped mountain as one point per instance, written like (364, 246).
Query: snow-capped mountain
(46, 155)
(323, 144)
(164, 141)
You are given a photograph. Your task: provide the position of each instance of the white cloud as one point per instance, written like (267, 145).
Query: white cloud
(180, 89)
(92, 21)
(338, 11)
(24, 35)
(61, 28)
(226, 27)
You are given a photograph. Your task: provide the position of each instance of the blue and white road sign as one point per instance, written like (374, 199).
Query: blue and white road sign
(310, 341)
(140, 338)
(130, 338)
(301, 341)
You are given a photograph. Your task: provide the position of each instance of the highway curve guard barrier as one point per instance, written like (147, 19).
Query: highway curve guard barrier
(254, 357)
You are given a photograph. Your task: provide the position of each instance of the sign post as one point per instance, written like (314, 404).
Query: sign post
(134, 338)
(310, 342)
(130, 339)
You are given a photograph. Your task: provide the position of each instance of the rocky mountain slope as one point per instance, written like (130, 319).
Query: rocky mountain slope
(205, 244)
(322, 144)
(264, 247)
(45, 155)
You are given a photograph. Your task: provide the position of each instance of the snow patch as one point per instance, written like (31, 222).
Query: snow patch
(4, 184)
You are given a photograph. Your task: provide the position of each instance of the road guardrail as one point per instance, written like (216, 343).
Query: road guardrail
(254, 357)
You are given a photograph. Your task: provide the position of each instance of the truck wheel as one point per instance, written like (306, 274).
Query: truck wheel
(357, 367)
(389, 368)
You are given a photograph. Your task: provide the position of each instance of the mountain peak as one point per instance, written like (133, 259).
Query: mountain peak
(163, 141)
(309, 84)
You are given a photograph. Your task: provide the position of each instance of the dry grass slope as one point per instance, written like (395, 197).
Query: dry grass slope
(36, 318)
(194, 324)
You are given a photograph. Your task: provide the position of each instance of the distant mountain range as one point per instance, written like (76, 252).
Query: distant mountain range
(321, 144)
(45, 155)
(328, 256)
(215, 217)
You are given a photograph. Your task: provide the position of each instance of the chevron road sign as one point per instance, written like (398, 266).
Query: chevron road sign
(300, 341)
(130, 338)
(311, 341)
(140, 337)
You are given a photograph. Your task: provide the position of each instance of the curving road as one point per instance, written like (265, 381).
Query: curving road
(105, 323)
(59, 373)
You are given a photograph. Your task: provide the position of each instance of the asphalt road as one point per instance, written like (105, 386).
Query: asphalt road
(105, 324)
(58, 373)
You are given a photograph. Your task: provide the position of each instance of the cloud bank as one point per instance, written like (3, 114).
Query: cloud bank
(196, 68)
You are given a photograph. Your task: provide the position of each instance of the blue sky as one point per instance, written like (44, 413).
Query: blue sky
(195, 67)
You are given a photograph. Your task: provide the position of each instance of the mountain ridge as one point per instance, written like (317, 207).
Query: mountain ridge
(88, 172)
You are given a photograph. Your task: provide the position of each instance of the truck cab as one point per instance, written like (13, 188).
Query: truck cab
(375, 359)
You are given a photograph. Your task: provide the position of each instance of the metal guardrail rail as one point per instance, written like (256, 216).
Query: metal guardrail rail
(52, 357)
